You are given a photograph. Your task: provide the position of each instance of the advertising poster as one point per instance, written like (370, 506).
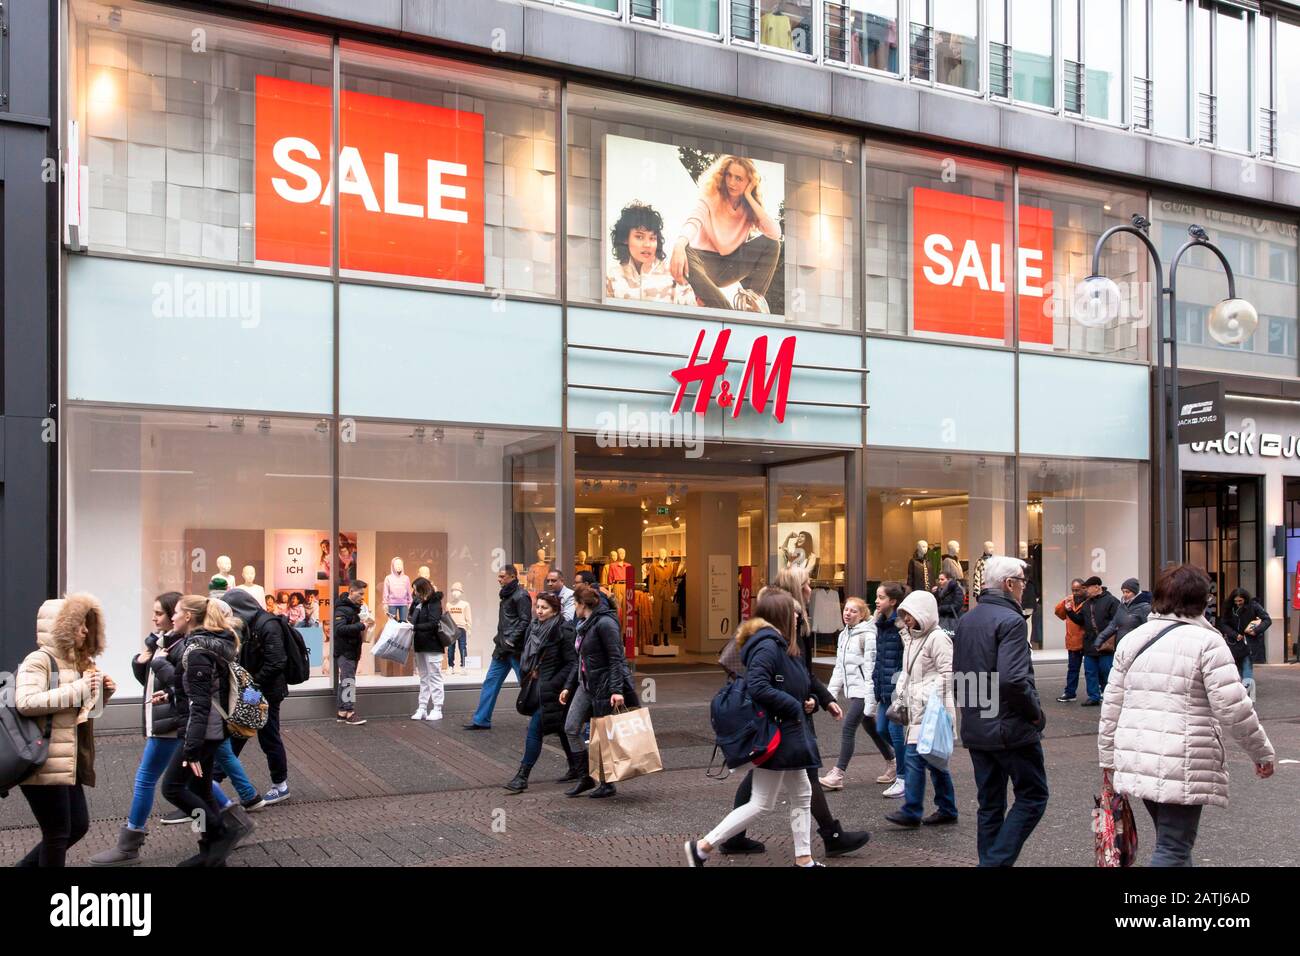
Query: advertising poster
(798, 545)
(722, 594)
(686, 227)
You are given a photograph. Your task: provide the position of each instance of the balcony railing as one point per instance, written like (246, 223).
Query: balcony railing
(744, 21)
(1073, 89)
(1141, 103)
(1267, 133)
(922, 52)
(999, 70)
(645, 10)
(836, 32)
(1207, 117)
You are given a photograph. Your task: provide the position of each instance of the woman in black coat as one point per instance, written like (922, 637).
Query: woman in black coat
(1243, 623)
(425, 614)
(600, 683)
(548, 661)
(951, 597)
(779, 682)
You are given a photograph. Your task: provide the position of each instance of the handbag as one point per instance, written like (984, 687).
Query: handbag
(24, 741)
(897, 711)
(529, 700)
(446, 630)
(1115, 836)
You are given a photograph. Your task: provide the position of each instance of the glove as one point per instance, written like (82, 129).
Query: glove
(151, 642)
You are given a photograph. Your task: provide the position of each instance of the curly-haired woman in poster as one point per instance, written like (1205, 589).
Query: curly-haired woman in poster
(637, 243)
(716, 246)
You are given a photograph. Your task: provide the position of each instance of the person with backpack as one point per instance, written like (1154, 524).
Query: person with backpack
(161, 726)
(425, 615)
(269, 651)
(548, 662)
(203, 677)
(776, 680)
(59, 686)
(855, 658)
(351, 620)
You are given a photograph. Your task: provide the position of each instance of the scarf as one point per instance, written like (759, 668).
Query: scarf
(539, 634)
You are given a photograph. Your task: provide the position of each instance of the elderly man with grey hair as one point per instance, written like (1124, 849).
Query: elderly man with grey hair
(1001, 717)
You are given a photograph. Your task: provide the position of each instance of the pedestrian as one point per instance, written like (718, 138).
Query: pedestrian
(549, 658)
(855, 657)
(161, 726)
(927, 668)
(1172, 693)
(555, 584)
(779, 681)
(514, 614)
(69, 636)
(1002, 719)
(599, 682)
(202, 688)
(889, 661)
(589, 579)
(1136, 607)
(1073, 638)
(351, 621)
(1243, 623)
(425, 616)
(264, 647)
(951, 598)
(795, 582)
(1100, 619)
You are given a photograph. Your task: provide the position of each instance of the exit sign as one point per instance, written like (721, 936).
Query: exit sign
(661, 510)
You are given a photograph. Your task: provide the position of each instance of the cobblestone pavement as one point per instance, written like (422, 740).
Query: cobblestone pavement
(396, 792)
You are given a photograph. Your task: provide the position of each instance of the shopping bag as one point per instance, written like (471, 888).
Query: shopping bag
(595, 766)
(936, 740)
(627, 745)
(394, 643)
(1114, 829)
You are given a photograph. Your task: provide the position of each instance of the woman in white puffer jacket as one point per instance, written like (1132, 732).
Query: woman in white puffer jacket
(855, 656)
(1173, 688)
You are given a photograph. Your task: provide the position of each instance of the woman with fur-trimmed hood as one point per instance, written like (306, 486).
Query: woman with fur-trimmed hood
(60, 682)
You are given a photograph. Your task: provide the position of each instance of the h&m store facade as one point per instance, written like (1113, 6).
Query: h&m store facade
(329, 304)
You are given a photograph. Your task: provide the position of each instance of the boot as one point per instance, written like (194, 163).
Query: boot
(839, 841)
(741, 845)
(223, 843)
(126, 852)
(200, 858)
(585, 782)
(577, 770)
(519, 782)
(237, 822)
(604, 790)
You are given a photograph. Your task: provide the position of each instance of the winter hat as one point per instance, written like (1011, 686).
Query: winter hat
(1094, 580)
(1131, 585)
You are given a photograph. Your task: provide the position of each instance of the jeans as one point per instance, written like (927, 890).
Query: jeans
(61, 813)
(1176, 827)
(228, 764)
(767, 787)
(579, 713)
(268, 738)
(487, 698)
(463, 640)
(897, 735)
(157, 755)
(854, 715)
(753, 264)
(1072, 674)
(397, 611)
(945, 798)
(1097, 672)
(429, 667)
(1002, 834)
(533, 742)
(346, 670)
(194, 794)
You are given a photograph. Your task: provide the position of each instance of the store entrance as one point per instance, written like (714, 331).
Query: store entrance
(1222, 531)
(684, 545)
(1291, 515)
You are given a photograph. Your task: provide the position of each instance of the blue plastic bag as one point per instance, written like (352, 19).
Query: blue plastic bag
(936, 741)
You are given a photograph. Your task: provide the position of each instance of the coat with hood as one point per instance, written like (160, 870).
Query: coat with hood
(1133, 615)
(71, 755)
(781, 684)
(601, 664)
(889, 656)
(855, 658)
(202, 681)
(160, 719)
(1165, 711)
(927, 662)
(425, 617)
(514, 615)
(1100, 619)
(349, 629)
(261, 650)
(991, 645)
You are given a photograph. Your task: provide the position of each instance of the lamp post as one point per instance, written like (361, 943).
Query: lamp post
(1232, 321)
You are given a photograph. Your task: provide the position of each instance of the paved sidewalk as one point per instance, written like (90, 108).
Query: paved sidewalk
(401, 792)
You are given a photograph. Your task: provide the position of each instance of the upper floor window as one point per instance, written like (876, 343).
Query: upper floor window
(945, 43)
(701, 16)
(874, 34)
(787, 25)
(1020, 51)
(1288, 91)
(1103, 60)
(1169, 86)
(1223, 75)
(608, 6)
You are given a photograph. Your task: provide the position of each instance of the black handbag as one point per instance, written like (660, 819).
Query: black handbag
(24, 743)
(530, 694)
(446, 630)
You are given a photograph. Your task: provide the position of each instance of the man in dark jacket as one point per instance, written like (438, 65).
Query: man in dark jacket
(1137, 606)
(351, 618)
(1100, 618)
(262, 654)
(1001, 725)
(513, 616)
(589, 579)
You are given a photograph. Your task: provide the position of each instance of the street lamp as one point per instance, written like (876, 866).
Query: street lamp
(1232, 321)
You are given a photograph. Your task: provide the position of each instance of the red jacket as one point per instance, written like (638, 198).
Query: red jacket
(1073, 632)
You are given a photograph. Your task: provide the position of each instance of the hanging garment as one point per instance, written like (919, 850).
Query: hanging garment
(662, 585)
(952, 567)
(827, 613)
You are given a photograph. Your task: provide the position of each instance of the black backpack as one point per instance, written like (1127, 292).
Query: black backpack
(297, 663)
(743, 730)
(24, 743)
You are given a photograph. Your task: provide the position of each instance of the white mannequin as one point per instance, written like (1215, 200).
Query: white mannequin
(988, 549)
(425, 573)
(952, 562)
(582, 557)
(1024, 551)
(459, 610)
(663, 556)
(922, 547)
(249, 574)
(223, 572)
(918, 568)
(611, 570)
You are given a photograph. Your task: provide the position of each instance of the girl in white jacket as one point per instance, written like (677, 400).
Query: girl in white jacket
(855, 656)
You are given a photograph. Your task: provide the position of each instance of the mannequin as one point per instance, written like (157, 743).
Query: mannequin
(952, 562)
(537, 572)
(249, 574)
(610, 569)
(223, 574)
(397, 591)
(459, 610)
(918, 568)
(1029, 600)
(581, 564)
(977, 573)
(425, 573)
(619, 573)
(662, 586)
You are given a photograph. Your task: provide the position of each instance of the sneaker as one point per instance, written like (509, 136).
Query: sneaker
(895, 789)
(419, 714)
(833, 780)
(810, 866)
(693, 855)
(1066, 699)
(275, 795)
(435, 714)
(890, 774)
(176, 816)
(257, 803)
(354, 720)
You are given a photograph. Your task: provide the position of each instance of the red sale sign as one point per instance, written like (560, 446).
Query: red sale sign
(960, 267)
(411, 198)
(1295, 598)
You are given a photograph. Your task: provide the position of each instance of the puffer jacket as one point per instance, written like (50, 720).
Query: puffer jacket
(889, 657)
(203, 678)
(71, 758)
(855, 658)
(1163, 715)
(601, 665)
(159, 720)
(425, 618)
(927, 663)
(781, 684)
(1133, 615)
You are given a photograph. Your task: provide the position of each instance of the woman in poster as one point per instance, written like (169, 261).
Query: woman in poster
(800, 551)
(715, 247)
(637, 243)
(323, 565)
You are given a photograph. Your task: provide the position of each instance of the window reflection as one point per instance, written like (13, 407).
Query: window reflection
(875, 34)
